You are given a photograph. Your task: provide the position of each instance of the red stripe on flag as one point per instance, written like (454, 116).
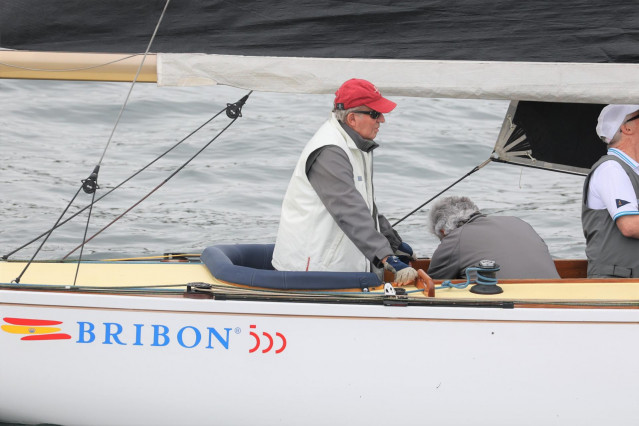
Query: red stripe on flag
(27, 321)
(56, 336)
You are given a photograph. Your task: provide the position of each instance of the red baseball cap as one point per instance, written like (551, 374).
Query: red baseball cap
(356, 92)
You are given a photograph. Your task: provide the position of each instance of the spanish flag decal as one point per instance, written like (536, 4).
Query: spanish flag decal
(34, 329)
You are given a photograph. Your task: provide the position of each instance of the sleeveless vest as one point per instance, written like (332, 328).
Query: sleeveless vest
(308, 237)
(609, 253)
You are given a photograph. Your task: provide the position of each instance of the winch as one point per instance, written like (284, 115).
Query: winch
(485, 277)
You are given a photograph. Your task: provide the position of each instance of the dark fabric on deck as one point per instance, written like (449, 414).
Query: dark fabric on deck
(250, 264)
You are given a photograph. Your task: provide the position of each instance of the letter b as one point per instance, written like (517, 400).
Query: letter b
(86, 328)
(157, 334)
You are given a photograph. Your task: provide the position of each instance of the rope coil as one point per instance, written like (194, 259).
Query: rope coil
(480, 279)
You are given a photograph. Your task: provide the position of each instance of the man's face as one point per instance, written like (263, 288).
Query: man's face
(366, 126)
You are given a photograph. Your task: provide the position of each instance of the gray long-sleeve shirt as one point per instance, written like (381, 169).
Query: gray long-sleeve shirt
(331, 176)
(508, 240)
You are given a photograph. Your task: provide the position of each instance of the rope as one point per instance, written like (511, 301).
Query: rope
(446, 189)
(481, 279)
(165, 256)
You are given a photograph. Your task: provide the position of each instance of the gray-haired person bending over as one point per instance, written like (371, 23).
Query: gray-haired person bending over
(468, 236)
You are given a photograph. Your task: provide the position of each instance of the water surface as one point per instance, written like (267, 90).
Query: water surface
(52, 135)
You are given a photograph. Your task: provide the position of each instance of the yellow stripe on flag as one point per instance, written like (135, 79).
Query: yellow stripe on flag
(25, 329)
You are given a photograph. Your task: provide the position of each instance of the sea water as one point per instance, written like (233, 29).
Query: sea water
(53, 134)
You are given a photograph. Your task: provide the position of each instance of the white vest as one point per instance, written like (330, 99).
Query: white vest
(308, 238)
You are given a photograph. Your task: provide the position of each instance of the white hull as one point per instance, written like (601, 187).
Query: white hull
(342, 364)
(108, 357)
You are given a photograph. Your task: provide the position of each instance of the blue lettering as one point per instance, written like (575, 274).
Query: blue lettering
(138, 334)
(157, 334)
(198, 337)
(83, 331)
(224, 342)
(187, 337)
(108, 334)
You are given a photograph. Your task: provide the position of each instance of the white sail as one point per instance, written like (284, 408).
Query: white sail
(532, 81)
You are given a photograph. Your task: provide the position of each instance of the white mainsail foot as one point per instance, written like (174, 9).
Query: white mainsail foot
(541, 81)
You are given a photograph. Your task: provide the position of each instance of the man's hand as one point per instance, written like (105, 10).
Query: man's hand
(404, 274)
(405, 253)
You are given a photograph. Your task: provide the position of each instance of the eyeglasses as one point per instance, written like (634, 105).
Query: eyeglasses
(630, 119)
(374, 114)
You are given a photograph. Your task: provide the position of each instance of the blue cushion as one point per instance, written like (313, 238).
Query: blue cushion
(250, 264)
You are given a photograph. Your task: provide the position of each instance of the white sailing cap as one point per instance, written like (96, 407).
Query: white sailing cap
(611, 118)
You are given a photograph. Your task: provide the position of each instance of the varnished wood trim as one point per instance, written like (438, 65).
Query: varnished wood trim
(567, 268)
(76, 66)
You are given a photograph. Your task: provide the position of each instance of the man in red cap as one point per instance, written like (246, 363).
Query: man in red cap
(329, 219)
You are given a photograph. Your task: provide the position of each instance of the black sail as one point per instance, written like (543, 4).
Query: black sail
(507, 30)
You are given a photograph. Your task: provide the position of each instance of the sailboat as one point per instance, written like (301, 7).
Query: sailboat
(218, 337)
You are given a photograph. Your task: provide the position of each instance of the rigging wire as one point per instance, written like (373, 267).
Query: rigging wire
(59, 224)
(233, 111)
(444, 190)
(48, 234)
(86, 229)
(90, 184)
(135, 79)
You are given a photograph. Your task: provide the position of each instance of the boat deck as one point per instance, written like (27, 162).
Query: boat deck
(116, 276)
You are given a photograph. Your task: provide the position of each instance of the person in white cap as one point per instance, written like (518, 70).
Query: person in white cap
(329, 220)
(610, 215)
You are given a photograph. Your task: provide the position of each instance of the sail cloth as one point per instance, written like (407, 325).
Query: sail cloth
(583, 31)
(575, 51)
(554, 136)
(550, 82)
